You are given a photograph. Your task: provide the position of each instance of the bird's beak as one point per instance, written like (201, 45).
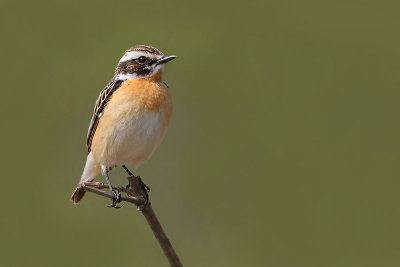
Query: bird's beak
(164, 59)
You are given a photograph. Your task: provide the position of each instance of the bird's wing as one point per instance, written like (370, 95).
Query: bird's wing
(101, 102)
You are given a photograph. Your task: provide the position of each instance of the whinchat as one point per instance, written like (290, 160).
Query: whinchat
(130, 117)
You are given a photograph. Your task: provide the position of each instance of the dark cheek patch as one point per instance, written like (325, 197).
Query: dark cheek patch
(133, 67)
(142, 71)
(128, 66)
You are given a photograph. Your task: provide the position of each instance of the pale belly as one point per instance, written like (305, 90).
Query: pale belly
(131, 140)
(133, 124)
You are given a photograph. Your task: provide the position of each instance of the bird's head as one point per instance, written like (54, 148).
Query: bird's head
(141, 61)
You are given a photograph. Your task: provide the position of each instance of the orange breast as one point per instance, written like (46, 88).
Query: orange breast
(149, 94)
(129, 103)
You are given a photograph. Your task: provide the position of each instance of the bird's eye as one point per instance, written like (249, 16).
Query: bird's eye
(141, 59)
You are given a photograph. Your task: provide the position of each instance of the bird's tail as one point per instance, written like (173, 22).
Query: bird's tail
(92, 168)
(78, 194)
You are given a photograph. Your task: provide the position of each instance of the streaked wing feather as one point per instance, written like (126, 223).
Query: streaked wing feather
(101, 102)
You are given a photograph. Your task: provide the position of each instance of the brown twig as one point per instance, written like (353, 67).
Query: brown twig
(137, 195)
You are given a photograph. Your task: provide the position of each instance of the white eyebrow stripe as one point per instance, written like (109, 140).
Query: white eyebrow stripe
(134, 54)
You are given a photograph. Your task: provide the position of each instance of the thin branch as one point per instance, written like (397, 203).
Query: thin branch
(137, 195)
(138, 201)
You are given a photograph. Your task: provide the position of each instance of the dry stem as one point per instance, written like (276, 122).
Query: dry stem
(137, 195)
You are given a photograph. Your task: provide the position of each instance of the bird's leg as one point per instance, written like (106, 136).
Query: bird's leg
(117, 195)
(131, 174)
(127, 170)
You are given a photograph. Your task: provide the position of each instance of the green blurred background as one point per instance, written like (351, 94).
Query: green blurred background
(283, 149)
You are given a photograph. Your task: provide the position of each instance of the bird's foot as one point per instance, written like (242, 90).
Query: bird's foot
(145, 190)
(145, 186)
(116, 199)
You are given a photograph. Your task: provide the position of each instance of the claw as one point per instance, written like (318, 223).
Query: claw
(146, 187)
(117, 198)
(145, 190)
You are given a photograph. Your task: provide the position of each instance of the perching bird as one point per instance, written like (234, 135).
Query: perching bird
(130, 117)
